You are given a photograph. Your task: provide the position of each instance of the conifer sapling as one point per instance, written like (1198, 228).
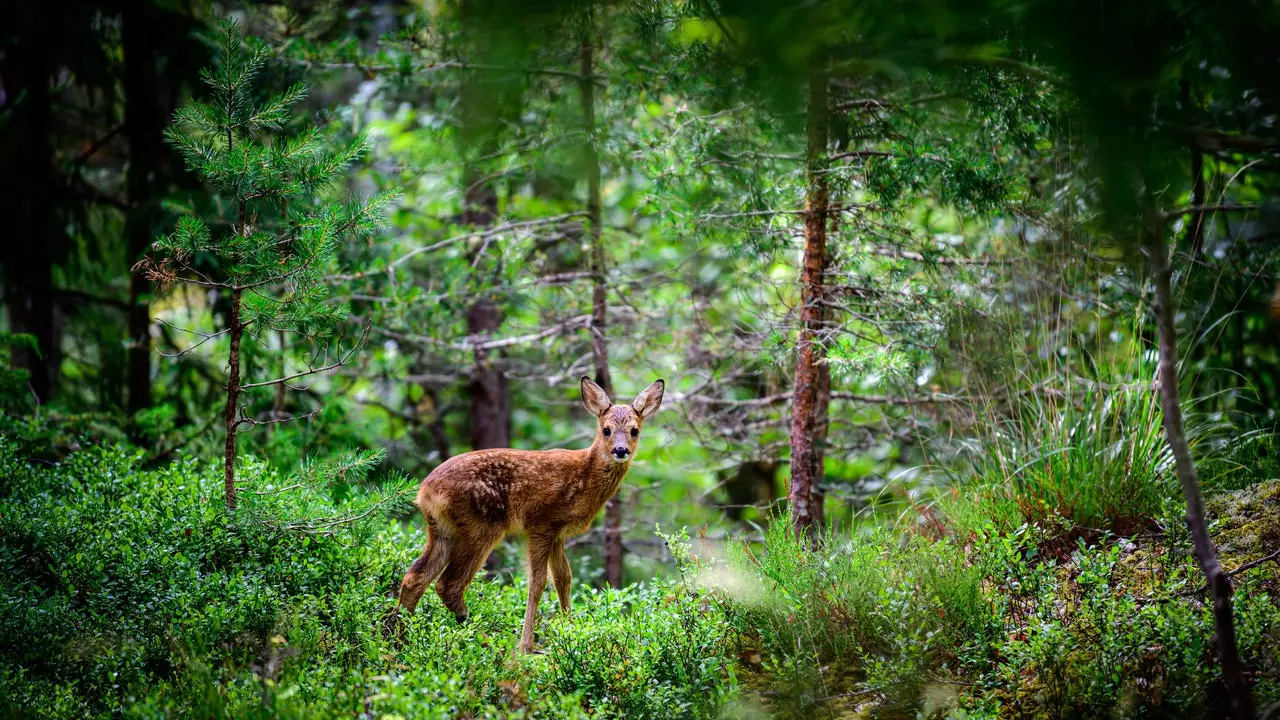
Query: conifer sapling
(272, 254)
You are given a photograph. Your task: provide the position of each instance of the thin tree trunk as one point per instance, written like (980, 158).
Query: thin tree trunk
(1195, 227)
(599, 297)
(279, 403)
(822, 424)
(144, 129)
(804, 403)
(436, 425)
(478, 130)
(1219, 584)
(489, 392)
(233, 397)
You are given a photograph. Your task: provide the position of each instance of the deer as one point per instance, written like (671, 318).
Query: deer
(474, 500)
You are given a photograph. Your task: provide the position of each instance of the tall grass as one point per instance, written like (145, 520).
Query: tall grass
(873, 614)
(1082, 444)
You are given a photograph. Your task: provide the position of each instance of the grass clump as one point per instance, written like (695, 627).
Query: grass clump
(1092, 455)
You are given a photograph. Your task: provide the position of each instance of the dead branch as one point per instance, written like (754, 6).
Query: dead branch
(312, 371)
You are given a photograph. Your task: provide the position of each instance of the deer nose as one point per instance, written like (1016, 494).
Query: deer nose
(621, 453)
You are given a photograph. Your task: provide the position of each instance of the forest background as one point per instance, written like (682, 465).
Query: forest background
(952, 301)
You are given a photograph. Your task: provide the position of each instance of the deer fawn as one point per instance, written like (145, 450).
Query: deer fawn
(475, 499)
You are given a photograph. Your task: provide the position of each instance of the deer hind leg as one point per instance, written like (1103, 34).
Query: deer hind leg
(539, 555)
(425, 569)
(468, 555)
(561, 575)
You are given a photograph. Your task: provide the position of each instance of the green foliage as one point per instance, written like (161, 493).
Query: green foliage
(878, 609)
(15, 395)
(279, 233)
(984, 161)
(285, 233)
(900, 625)
(130, 591)
(1080, 446)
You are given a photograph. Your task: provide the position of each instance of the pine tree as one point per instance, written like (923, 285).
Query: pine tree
(274, 254)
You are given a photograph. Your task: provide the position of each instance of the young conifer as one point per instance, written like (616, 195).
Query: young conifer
(280, 241)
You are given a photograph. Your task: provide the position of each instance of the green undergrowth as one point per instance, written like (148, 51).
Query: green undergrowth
(902, 623)
(127, 590)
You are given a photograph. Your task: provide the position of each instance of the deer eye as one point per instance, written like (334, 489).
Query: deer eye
(607, 432)
(635, 432)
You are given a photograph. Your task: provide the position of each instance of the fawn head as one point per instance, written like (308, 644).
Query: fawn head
(619, 425)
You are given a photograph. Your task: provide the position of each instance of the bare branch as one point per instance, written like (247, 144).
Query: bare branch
(784, 397)
(909, 255)
(312, 371)
(1212, 207)
(206, 337)
(475, 342)
(246, 420)
(497, 230)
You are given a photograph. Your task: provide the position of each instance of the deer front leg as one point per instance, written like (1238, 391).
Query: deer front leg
(561, 575)
(539, 554)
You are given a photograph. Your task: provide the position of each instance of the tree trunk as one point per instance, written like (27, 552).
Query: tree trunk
(280, 402)
(233, 397)
(490, 396)
(599, 297)
(436, 425)
(144, 129)
(478, 131)
(1219, 584)
(822, 424)
(1195, 226)
(30, 251)
(805, 403)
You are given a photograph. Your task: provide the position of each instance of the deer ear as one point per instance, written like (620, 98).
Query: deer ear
(593, 398)
(649, 400)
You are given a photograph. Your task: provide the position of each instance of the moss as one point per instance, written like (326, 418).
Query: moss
(1246, 524)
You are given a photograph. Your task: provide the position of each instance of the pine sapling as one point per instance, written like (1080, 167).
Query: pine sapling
(268, 260)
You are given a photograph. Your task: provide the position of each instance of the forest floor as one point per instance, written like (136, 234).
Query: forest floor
(127, 590)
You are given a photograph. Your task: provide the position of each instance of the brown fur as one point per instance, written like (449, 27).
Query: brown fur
(474, 500)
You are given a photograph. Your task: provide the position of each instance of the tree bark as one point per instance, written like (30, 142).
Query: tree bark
(279, 404)
(233, 397)
(144, 130)
(30, 253)
(1219, 584)
(599, 295)
(822, 424)
(488, 390)
(805, 402)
